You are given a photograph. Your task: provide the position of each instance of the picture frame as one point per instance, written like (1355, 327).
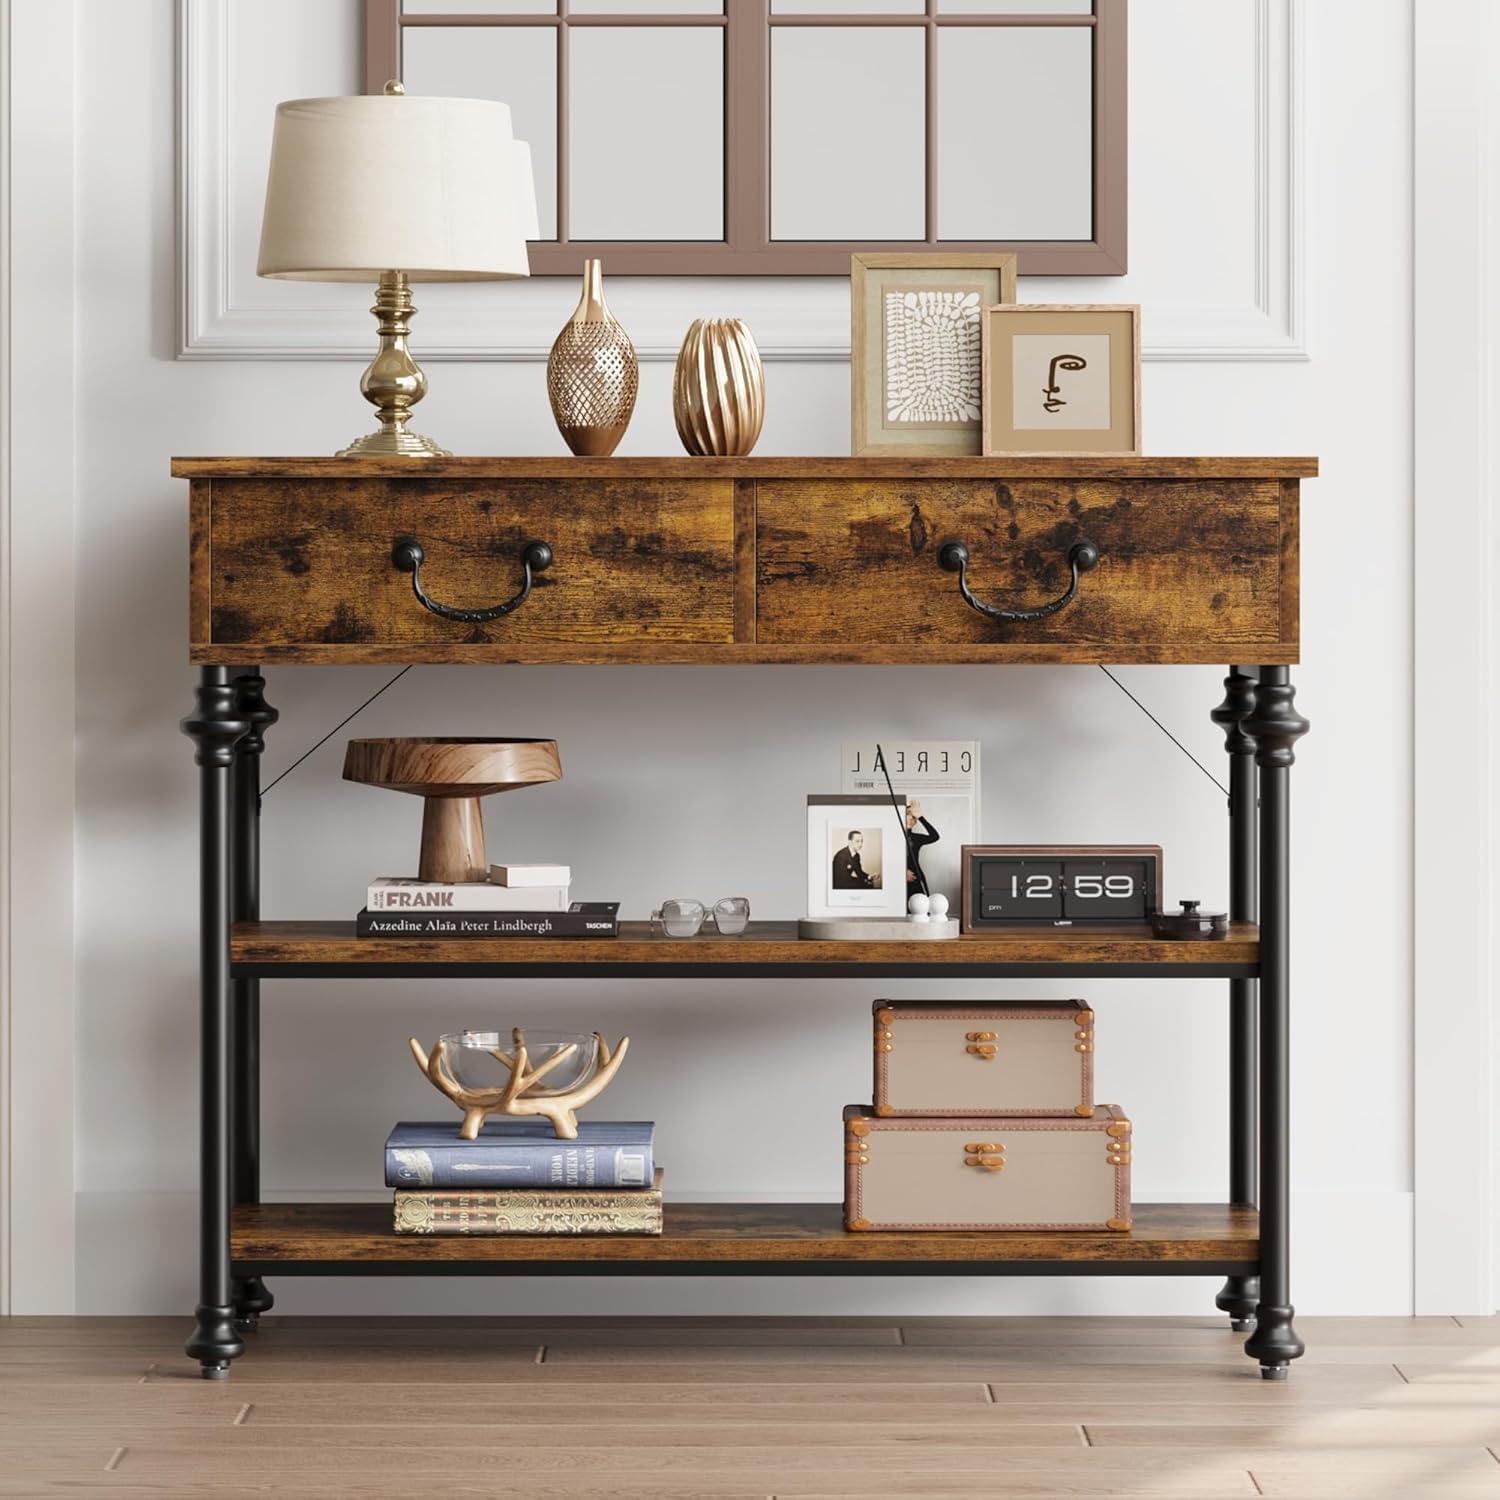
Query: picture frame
(856, 856)
(1061, 380)
(910, 414)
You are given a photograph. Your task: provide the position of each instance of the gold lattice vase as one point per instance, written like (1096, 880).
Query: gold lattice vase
(592, 373)
(719, 391)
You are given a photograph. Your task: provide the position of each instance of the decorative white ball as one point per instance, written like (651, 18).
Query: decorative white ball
(918, 906)
(939, 906)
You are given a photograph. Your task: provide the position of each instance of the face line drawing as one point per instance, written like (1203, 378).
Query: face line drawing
(1051, 399)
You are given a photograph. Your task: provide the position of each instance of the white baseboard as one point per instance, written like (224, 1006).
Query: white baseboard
(137, 1254)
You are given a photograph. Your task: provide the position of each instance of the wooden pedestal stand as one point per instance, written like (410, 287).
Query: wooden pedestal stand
(451, 775)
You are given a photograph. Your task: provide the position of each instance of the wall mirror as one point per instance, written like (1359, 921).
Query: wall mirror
(764, 137)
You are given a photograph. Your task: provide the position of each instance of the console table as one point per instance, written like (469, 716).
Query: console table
(491, 560)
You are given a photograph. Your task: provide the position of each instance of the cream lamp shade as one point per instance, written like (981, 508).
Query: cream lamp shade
(435, 188)
(391, 189)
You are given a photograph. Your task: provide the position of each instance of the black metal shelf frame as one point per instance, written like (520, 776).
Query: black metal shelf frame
(1261, 727)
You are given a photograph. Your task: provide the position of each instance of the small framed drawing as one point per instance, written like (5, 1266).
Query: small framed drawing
(856, 857)
(915, 372)
(1061, 380)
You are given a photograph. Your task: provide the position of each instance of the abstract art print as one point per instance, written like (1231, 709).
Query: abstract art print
(1061, 380)
(916, 370)
(931, 347)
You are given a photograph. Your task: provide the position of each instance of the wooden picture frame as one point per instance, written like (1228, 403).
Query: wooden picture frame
(989, 276)
(1103, 421)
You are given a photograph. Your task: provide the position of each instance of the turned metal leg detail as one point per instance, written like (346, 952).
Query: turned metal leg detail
(214, 727)
(1240, 1294)
(1275, 726)
(249, 1294)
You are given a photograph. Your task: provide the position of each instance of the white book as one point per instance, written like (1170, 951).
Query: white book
(940, 779)
(392, 893)
(523, 876)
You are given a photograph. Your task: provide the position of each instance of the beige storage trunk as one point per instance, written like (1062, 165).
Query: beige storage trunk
(987, 1174)
(1018, 1057)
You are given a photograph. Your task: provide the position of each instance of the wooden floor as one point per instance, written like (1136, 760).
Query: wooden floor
(764, 1407)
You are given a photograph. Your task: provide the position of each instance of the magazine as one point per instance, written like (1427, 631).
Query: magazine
(940, 781)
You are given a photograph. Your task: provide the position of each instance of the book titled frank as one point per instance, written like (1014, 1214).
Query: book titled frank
(530, 1210)
(391, 893)
(521, 1153)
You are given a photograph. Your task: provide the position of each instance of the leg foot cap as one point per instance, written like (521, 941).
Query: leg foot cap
(214, 1340)
(1275, 1372)
(1242, 1325)
(215, 1372)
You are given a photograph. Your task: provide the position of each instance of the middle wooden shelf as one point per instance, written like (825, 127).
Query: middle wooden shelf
(331, 950)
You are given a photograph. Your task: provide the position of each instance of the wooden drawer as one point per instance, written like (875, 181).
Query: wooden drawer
(1186, 567)
(307, 563)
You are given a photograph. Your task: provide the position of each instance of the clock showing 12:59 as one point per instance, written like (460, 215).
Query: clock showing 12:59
(1059, 885)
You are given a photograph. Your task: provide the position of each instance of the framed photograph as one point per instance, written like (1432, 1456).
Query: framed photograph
(856, 857)
(1061, 380)
(915, 370)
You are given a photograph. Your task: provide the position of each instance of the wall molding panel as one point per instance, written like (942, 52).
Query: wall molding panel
(226, 313)
(38, 498)
(1457, 345)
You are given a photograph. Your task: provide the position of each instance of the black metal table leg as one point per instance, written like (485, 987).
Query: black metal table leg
(1275, 726)
(249, 1294)
(214, 727)
(1240, 1294)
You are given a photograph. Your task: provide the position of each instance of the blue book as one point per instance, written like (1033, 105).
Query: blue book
(520, 1153)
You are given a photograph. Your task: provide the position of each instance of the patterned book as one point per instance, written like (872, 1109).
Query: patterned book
(520, 1153)
(531, 1211)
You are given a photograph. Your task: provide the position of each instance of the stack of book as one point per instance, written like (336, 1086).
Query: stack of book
(519, 1178)
(516, 901)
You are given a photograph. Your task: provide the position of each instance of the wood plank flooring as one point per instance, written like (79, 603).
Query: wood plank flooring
(789, 1408)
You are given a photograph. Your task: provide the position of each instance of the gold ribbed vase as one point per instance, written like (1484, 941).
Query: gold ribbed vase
(592, 373)
(719, 391)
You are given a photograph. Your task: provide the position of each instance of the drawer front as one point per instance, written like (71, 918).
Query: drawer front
(1182, 563)
(942, 1174)
(308, 561)
(1016, 1058)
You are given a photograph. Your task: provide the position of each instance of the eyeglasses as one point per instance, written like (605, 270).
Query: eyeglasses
(684, 919)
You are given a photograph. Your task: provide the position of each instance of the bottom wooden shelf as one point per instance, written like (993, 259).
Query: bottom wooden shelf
(756, 1239)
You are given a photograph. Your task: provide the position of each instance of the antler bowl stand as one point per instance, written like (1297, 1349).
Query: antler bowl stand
(522, 1093)
(451, 775)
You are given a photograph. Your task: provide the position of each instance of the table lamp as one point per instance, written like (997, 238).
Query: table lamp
(396, 189)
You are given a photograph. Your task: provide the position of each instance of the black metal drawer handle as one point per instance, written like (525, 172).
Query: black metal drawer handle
(953, 557)
(408, 556)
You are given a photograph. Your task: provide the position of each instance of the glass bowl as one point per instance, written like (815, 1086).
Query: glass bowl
(475, 1058)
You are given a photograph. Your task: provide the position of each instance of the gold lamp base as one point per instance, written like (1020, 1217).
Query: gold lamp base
(394, 381)
(398, 442)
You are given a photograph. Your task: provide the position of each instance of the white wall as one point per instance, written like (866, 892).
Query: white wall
(691, 781)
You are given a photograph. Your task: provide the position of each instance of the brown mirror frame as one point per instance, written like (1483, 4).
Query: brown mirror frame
(747, 249)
